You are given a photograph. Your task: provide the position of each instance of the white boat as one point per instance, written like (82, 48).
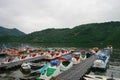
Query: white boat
(102, 62)
(65, 65)
(83, 54)
(65, 62)
(50, 56)
(52, 70)
(76, 57)
(110, 48)
(29, 65)
(26, 66)
(7, 60)
(58, 54)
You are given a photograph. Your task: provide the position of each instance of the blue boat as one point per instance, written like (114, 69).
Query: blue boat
(102, 61)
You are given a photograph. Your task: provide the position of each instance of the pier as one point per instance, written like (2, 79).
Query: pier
(74, 73)
(78, 70)
(17, 63)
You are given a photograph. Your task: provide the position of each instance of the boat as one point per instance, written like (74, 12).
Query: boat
(7, 60)
(83, 54)
(33, 75)
(31, 66)
(2, 53)
(96, 49)
(98, 77)
(52, 71)
(50, 56)
(39, 71)
(102, 61)
(37, 65)
(65, 62)
(55, 67)
(76, 57)
(58, 54)
(110, 48)
(41, 53)
(26, 67)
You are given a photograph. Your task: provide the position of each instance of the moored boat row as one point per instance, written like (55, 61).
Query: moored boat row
(60, 61)
(32, 53)
(59, 65)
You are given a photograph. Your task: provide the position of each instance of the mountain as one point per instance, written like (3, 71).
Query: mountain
(47, 36)
(10, 32)
(94, 34)
(86, 35)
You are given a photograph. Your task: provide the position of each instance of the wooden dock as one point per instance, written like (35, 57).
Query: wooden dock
(74, 73)
(78, 70)
(17, 63)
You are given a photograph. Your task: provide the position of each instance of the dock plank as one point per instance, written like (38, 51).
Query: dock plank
(17, 63)
(78, 70)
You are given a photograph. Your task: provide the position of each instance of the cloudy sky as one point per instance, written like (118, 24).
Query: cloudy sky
(35, 15)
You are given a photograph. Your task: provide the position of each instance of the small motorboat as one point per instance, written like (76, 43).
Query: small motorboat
(65, 62)
(3, 54)
(32, 55)
(7, 60)
(76, 57)
(40, 70)
(50, 56)
(58, 54)
(41, 53)
(35, 74)
(102, 62)
(52, 71)
(36, 65)
(110, 48)
(28, 66)
(22, 57)
(83, 54)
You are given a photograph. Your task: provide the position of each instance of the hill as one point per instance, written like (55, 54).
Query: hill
(10, 32)
(87, 35)
(99, 34)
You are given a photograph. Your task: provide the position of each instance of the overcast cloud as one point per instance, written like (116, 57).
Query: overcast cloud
(34, 15)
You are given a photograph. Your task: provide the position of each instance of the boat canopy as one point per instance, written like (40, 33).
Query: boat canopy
(102, 57)
(54, 62)
(67, 57)
(83, 51)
